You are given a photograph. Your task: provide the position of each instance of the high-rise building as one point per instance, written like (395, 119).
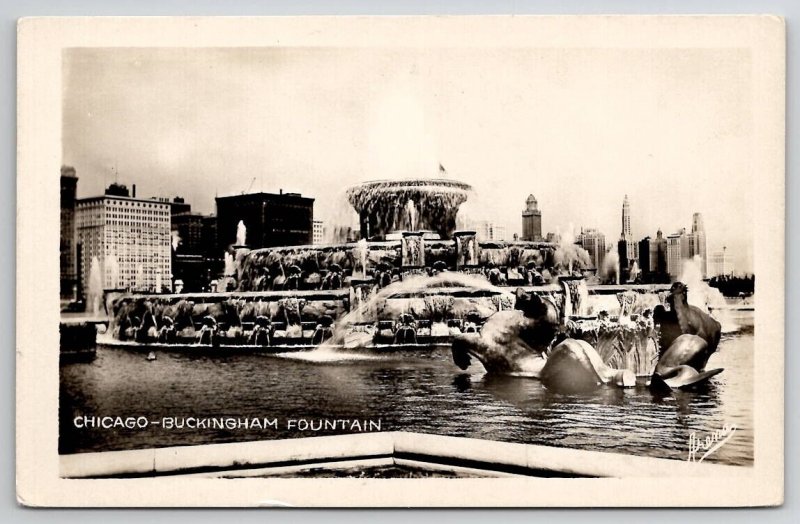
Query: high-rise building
(69, 262)
(697, 243)
(319, 232)
(187, 234)
(487, 231)
(128, 240)
(531, 220)
(626, 217)
(626, 241)
(594, 242)
(677, 252)
(285, 219)
(653, 258)
(179, 206)
(648, 254)
(721, 263)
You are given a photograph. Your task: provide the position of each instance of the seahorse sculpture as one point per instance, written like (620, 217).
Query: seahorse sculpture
(690, 335)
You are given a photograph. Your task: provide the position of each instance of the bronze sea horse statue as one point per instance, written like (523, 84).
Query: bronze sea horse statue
(690, 336)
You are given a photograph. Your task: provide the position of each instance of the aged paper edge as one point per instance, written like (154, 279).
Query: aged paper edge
(40, 42)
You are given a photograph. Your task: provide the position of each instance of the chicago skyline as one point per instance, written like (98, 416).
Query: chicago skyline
(417, 114)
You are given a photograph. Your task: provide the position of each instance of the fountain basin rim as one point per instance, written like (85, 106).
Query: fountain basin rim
(413, 182)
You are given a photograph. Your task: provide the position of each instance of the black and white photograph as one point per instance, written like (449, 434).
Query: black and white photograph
(437, 259)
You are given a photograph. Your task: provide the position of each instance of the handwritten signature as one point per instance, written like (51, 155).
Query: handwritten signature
(710, 443)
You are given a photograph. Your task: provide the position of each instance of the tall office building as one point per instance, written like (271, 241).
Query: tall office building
(678, 250)
(721, 263)
(653, 258)
(594, 242)
(531, 220)
(284, 219)
(629, 250)
(487, 231)
(68, 261)
(697, 243)
(129, 238)
(319, 232)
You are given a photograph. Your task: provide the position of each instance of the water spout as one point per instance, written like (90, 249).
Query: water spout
(241, 234)
(95, 289)
(704, 296)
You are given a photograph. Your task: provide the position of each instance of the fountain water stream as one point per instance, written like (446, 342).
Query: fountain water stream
(94, 293)
(241, 234)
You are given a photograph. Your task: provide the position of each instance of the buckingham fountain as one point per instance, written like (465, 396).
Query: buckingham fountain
(413, 281)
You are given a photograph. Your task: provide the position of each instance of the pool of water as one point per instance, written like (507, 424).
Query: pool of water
(422, 392)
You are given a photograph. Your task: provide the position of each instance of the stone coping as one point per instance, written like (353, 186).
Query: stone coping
(270, 457)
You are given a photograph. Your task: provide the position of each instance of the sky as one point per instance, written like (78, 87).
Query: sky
(576, 127)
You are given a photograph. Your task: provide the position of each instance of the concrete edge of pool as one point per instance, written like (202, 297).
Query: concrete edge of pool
(436, 453)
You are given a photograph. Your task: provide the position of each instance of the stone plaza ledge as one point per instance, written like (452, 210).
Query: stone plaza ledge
(435, 453)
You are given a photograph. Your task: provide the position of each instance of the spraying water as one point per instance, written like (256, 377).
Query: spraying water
(411, 211)
(241, 234)
(435, 203)
(347, 329)
(610, 271)
(140, 284)
(570, 256)
(112, 271)
(176, 240)
(705, 297)
(230, 265)
(360, 253)
(95, 290)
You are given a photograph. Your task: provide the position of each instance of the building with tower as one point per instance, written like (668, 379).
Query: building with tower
(628, 248)
(697, 243)
(531, 220)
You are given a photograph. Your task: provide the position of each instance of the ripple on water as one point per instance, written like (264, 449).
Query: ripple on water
(413, 393)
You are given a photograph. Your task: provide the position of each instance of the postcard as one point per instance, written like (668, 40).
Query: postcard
(457, 261)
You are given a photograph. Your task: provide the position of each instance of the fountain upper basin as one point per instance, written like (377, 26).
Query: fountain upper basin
(386, 206)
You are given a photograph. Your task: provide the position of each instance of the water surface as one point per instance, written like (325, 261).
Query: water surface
(405, 392)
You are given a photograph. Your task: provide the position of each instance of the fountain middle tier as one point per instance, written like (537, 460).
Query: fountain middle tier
(383, 262)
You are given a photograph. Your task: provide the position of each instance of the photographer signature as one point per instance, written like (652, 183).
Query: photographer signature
(710, 443)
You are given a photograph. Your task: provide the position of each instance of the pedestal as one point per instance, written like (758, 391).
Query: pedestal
(467, 249)
(412, 250)
(576, 296)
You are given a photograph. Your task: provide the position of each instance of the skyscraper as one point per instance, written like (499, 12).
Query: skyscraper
(319, 232)
(628, 248)
(128, 237)
(69, 263)
(531, 220)
(594, 242)
(677, 251)
(721, 263)
(487, 230)
(285, 219)
(697, 243)
(626, 217)
(653, 258)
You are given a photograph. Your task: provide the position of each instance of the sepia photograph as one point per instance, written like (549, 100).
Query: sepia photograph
(510, 257)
